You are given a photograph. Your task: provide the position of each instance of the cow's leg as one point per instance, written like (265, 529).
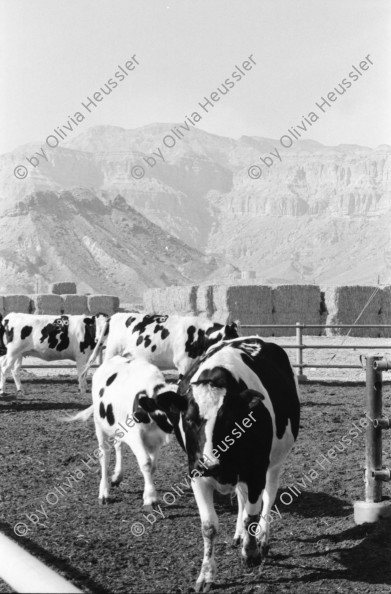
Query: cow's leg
(203, 493)
(250, 551)
(82, 379)
(15, 370)
(182, 365)
(6, 365)
(117, 475)
(104, 487)
(1, 374)
(242, 496)
(145, 461)
(269, 495)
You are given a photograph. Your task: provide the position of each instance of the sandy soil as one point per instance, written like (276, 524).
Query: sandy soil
(315, 545)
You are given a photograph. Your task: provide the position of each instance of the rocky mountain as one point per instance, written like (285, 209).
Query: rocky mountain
(105, 247)
(316, 214)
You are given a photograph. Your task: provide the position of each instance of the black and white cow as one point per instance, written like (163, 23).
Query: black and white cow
(168, 341)
(117, 388)
(239, 419)
(51, 338)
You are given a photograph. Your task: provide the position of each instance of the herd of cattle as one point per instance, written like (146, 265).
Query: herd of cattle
(226, 382)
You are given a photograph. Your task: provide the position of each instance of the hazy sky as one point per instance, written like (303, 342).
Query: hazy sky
(54, 53)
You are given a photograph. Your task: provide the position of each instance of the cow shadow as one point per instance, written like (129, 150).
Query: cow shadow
(307, 504)
(311, 504)
(354, 554)
(21, 404)
(367, 562)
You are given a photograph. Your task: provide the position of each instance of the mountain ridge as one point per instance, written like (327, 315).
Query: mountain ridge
(321, 214)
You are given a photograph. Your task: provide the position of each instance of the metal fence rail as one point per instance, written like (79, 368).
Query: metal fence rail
(299, 346)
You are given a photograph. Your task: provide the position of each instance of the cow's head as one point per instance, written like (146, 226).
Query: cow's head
(209, 404)
(201, 339)
(94, 326)
(219, 332)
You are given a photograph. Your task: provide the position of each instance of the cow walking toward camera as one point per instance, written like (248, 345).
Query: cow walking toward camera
(51, 338)
(166, 341)
(118, 387)
(239, 419)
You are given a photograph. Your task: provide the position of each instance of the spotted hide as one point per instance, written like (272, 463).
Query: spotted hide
(240, 420)
(119, 387)
(51, 338)
(166, 341)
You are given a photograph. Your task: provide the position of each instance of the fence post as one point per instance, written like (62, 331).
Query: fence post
(299, 352)
(373, 436)
(374, 507)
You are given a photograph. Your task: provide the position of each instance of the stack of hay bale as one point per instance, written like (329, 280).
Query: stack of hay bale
(344, 305)
(283, 304)
(62, 300)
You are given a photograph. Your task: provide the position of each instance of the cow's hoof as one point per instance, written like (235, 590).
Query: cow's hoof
(150, 507)
(19, 392)
(104, 500)
(203, 586)
(251, 562)
(116, 481)
(265, 548)
(236, 541)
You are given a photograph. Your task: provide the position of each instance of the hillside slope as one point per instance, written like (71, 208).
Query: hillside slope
(104, 247)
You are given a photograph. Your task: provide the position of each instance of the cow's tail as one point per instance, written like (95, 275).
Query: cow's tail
(83, 415)
(95, 352)
(3, 348)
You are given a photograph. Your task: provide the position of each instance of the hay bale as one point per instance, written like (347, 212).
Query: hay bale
(250, 304)
(385, 311)
(75, 304)
(344, 305)
(296, 303)
(48, 304)
(107, 304)
(183, 300)
(155, 301)
(18, 304)
(205, 305)
(148, 299)
(63, 288)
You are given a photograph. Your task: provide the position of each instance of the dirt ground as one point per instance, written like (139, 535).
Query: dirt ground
(315, 545)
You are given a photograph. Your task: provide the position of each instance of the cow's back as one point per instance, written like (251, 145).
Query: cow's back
(48, 337)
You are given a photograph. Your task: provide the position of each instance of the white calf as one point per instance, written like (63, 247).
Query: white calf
(117, 387)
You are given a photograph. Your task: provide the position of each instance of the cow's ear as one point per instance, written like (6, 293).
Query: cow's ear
(231, 331)
(148, 404)
(252, 397)
(171, 401)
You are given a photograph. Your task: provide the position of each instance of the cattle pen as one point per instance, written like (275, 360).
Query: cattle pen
(314, 543)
